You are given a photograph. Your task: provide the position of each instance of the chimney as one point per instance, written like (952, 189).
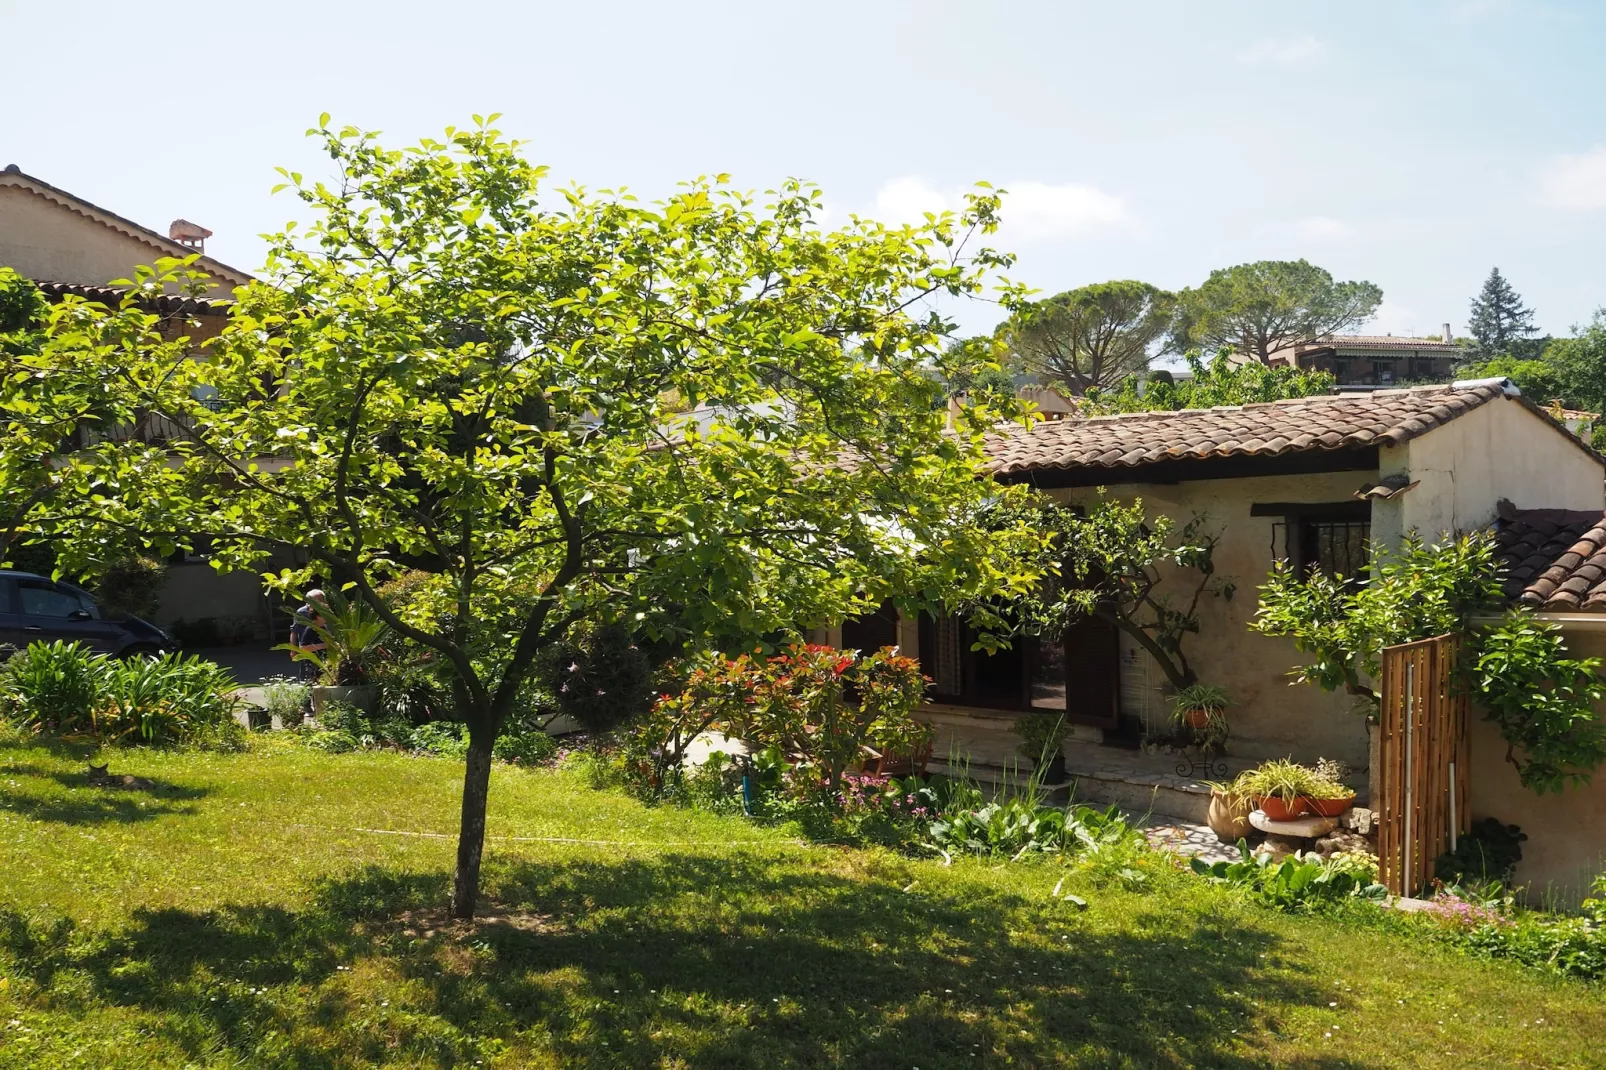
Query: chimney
(1448, 337)
(190, 235)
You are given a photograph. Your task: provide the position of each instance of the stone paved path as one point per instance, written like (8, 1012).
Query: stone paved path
(1185, 839)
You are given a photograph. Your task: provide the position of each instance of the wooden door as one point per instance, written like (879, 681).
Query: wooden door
(1421, 785)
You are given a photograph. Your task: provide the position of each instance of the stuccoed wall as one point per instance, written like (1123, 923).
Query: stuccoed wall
(1566, 844)
(44, 240)
(1271, 717)
(1499, 450)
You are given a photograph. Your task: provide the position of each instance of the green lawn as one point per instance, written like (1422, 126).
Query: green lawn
(235, 916)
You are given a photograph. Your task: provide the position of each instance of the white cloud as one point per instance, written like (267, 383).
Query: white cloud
(1031, 209)
(1283, 52)
(1319, 227)
(907, 200)
(1576, 183)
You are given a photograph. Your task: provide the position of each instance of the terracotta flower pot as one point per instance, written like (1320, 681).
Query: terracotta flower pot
(1229, 816)
(1275, 808)
(1328, 807)
(1197, 718)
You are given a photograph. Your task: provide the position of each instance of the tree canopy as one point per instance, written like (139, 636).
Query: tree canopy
(1569, 370)
(55, 396)
(1221, 382)
(453, 372)
(1500, 323)
(1258, 308)
(1091, 338)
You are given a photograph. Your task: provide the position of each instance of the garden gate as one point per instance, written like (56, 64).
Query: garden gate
(1422, 746)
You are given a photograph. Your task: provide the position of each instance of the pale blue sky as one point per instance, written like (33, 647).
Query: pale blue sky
(1414, 144)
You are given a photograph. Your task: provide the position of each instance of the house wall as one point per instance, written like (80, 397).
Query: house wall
(1501, 449)
(44, 240)
(234, 599)
(1566, 846)
(1271, 716)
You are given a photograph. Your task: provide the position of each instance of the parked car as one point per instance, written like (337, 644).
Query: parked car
(35, 608)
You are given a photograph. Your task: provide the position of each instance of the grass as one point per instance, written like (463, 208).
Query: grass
(232, 915)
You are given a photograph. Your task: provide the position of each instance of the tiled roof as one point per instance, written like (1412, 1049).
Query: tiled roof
(162, 304)
(12, 175)
(1379, 341)
(1555, 560)
(1329, 422)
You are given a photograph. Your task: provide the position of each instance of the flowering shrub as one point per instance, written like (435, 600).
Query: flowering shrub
(1491, 925)
(816, 707)
(1452, 910)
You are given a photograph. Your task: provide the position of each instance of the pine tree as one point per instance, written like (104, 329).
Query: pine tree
(1500, 321)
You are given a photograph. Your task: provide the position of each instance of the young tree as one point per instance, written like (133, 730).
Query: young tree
(452, 374)
(1258, 308)
(1112, 561)
(1500, 322)
(1095, 337)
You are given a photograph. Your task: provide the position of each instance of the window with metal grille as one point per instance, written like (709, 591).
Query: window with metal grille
(1333, 538)
(1335, 547)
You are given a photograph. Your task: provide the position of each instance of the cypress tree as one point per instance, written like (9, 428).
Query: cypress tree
(1499, 321)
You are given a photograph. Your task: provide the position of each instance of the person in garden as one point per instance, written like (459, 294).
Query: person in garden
(305, 634)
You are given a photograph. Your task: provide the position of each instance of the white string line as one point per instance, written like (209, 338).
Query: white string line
(558, 839)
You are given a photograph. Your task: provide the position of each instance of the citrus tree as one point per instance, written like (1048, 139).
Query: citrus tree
(705, 415)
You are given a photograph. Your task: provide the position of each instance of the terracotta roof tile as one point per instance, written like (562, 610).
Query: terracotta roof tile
(1329, 422)
(162, 304)
(1554, 560)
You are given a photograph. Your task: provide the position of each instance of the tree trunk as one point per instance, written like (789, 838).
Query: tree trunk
(471, 833)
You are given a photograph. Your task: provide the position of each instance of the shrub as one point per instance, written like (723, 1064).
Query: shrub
(197, 633)
(65, 689)
(53, 687)
(286, 699)
(164, 700)
(1490, 851)
(131, 586)
(600, 677)
(525, 748)
(440, 738)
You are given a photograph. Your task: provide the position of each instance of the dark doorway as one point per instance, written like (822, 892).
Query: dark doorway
(871, 632)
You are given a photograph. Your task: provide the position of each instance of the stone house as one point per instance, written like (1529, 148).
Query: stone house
(1315, 481)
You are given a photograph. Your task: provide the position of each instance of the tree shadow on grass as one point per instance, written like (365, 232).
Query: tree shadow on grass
(692, 960)
(70, 799)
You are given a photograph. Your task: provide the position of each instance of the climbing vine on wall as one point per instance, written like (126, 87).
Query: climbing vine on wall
(1518, 671)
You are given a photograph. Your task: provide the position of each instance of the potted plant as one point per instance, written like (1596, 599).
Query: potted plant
(1279, 787)
(1042, 738)
(1199, 704)
(1200, 710)
(1230, 807)
(1328, 795)
(354, 639)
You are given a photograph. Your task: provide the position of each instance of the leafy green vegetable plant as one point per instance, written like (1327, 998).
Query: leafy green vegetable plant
(1297, 882)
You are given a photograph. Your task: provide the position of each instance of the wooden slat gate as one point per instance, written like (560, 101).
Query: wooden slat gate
(1422, 789)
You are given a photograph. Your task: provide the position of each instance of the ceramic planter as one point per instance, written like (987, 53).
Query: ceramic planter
(1276, 809)
(1197, 718)
(1228, 817)
(1329, 807)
